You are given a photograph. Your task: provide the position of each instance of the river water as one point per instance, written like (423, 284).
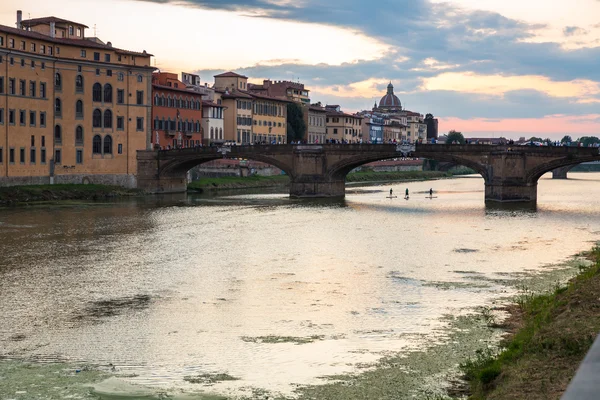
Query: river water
(272, 291)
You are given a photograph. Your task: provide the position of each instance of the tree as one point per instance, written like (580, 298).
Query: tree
(588, 140)
(566, 139)
(295, 123)
(535, 139)
(454, 136)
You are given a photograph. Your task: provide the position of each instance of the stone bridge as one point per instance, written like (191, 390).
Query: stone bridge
(510, 173)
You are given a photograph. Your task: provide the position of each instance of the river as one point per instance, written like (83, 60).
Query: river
(272, 291)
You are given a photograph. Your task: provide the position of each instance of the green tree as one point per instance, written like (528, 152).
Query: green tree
(566, 139)
(588, 140)
(295, 123)
(535, 139)
(454, 136)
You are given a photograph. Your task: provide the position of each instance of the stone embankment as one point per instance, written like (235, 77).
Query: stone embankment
(14, 195)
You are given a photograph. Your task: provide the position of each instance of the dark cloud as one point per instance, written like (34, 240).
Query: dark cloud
(574, 31)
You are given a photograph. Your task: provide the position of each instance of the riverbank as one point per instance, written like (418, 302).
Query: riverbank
(550, 335)
(14, 195)
(233, 182)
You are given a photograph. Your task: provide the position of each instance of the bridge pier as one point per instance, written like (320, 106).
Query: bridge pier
(307, 186)
(505, 192)
(561, 173)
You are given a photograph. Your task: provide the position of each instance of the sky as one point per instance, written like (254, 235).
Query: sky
(487, 68)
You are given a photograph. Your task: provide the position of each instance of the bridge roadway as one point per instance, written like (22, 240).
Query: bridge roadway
(510, 173)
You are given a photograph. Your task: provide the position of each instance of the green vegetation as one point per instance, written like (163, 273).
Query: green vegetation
(236, 182)
(46, 193)
(553, 332)
(296, 127)
(366, 176)
(454, 136)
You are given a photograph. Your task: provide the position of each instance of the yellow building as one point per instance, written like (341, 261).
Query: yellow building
(238, 112)
(72, 109)
(270, 119)
(343, 127)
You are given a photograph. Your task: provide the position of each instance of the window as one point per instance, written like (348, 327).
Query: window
(140, 78)
(11, 117)
(79, 84)
(32, 156)
(108, 93)
(1, 116)
(96, 56)
(42, 120)
(43, 66)
(32, 140)
(97, 71)
(120, 96)
(22, 117)
(22, 47)
(79, 68)
(57, 50)
(83, 53)
(97, 145)
(22, 87)
(119, 147)
(32, 118)
(79, 109)
(1, 84)
(79, 136)
(140, 97)
(43, 141)
(97, 92)
(32, 64)
(139, 126)
(42, 49)
(107, 58)
(71, 31)
(12, 61)
(57, 134)
(79, 32)
(33, 47)
(22, 155)
(120, 123)
(58, 81)
(1, 155)
(11, 43)
(120, 77)
(58, 107)
(43, 90)
(97, 118)
(108, 119)
(43, 156)
(119, 58)
(107, 144)
(32, 88)
(109, 72)
(11, 86)
(79, 156)
(11, 156)
(57, 156)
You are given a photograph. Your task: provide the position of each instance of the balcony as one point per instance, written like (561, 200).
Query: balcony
(170, 133)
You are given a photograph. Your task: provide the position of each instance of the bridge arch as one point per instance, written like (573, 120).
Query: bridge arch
(536, 173)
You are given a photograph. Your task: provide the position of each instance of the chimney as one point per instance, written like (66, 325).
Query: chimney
(52, 29)
(19, 18)
(109, 44)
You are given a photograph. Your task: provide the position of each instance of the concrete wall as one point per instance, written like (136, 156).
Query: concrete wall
(128, 181)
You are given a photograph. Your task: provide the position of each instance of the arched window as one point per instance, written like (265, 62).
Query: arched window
(120, 77)
(97, 119)
(79, 136)
(108, 93)
(212, 132)
(79, 109)
(57, 134)
(221, 133)
(79, 83)
(107, 144)
(108, 119)
(156, 123)
(97, 92)
(156, 100)
(58, 107)
(97, 145)
(57, 80)
(140, 78)
(162, 101)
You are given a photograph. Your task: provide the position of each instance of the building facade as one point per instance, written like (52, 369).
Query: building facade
(341, 126)
(212, 123)
(372, 128)
(72, 109)
(293, 91)
(315, 117)
(269, 119)
(176, 113)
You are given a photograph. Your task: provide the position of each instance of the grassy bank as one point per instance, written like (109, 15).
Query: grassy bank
(13, 195)
(551, 333)
(234, 182)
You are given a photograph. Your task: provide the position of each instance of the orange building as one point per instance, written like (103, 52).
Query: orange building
(176, 113)
(73, 109)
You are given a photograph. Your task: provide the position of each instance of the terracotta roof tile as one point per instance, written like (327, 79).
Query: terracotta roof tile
(47, 20)
(230, 75)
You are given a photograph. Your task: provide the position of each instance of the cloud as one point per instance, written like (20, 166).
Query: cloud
(574, 31)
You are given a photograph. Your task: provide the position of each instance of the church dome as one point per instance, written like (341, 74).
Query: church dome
(390, 100)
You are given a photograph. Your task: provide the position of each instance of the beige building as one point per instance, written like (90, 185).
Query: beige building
(270, 119)
(231, 87)
(417, 128)
(341, 126)
(293, 91)
(316, 123)
(73, 109)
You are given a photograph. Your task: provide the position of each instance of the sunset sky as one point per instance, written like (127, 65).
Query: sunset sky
(484, 67)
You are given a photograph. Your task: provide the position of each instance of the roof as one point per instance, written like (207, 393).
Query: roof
(236, 94)
(47, 20)
(265, 97)
(317, 109)
(206, 103)
(70, 42)
(163, 87)
(230, 75)
(342, 114)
